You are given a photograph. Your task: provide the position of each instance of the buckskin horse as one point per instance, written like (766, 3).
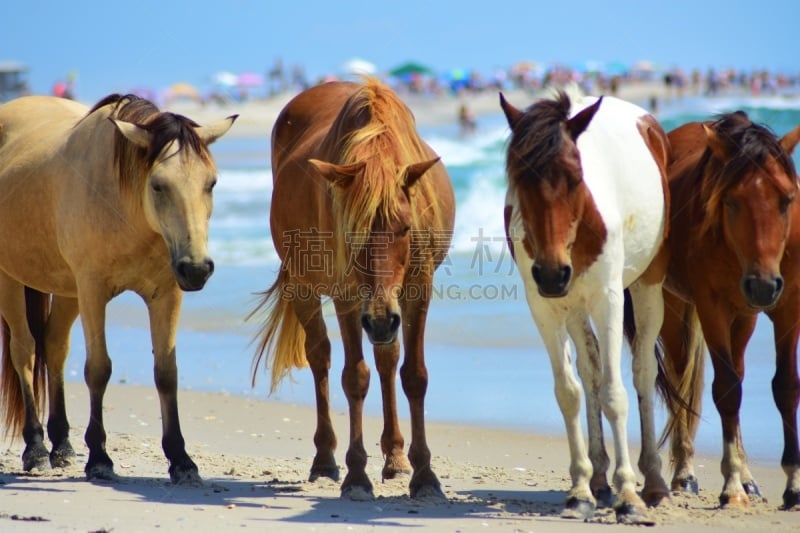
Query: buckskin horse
(94, 204)
(586, 216)
(362, 211)
(735, 252)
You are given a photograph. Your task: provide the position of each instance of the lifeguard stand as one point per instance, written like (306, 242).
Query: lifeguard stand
(13, 80)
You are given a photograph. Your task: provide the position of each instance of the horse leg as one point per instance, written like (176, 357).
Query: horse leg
(386, 359)
(164, 310)
(414, 377)
(580, 502)
(62, 316)
(629, 506)
(684, 357)
(727, 393)
(786, 392)
(96, 372)
(590, 371)
(318, 354)
(21, 344)
(648, 308)
(355, 382)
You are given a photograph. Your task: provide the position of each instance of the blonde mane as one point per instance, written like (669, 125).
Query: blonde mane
(387, 144)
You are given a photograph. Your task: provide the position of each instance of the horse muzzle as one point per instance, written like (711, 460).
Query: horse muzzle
(761, 292)
(381, 330)
(553, 282)
(192, 276)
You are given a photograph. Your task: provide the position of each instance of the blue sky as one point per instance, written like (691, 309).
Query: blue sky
(116, 46)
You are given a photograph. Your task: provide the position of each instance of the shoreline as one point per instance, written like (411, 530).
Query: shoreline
(254, 457)
(256, 117)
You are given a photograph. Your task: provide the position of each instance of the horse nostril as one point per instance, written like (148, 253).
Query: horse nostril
(566, 274)
(395, 322)
(209, 266)
(536, 272)
(366, 323)
(778, 284)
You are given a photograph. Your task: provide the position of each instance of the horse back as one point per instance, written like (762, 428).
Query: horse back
(305, 121)
(624, 159)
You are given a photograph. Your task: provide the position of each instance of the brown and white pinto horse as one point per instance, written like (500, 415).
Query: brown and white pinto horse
(362, 212)
(94, 204)
(586, 215)
(735, 252)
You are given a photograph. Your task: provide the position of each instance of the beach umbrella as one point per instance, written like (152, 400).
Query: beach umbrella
(410, 68)
(184, 90)
(249, 79)
(359, 66)
(526, 66)
(225, 79)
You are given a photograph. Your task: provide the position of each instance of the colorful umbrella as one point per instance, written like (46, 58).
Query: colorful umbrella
(410, 68)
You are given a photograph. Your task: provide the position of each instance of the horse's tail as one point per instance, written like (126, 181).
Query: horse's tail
(628, 320)
(281, 336)
(12, 402)
(682, 388)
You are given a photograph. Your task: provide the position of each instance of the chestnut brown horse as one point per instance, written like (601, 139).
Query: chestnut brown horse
(94, 204)
(735, 252)
(586, 217)
(362, 212)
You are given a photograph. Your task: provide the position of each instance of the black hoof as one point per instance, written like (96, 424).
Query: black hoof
(425, 492)
(690, 485)
(62, 456)
(358, 493)
(576, 509)
(317, 472)
(185, 473)
(35, 457)
(632, 515)
(100, 472)
(791, 500)
(604, 496)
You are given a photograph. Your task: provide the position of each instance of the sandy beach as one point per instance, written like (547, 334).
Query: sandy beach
(254, 453)
(254, 457)
(256, 117)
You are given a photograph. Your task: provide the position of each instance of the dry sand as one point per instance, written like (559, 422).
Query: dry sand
(254, 457)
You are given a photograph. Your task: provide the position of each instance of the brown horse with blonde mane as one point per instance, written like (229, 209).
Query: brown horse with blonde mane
(735, 252)
(362, 212)
(94, 204)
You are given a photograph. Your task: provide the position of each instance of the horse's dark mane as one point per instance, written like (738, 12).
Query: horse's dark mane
(751, 143)
(537, 137)
(132, 162)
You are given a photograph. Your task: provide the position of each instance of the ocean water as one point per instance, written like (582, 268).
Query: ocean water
(486, 362)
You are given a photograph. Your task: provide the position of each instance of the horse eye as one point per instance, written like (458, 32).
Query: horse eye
(784, 204)
(157, 187)
(210, 186)
(406, 230)
(729, 203)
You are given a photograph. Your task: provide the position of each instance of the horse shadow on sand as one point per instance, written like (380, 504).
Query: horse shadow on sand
(277, 495)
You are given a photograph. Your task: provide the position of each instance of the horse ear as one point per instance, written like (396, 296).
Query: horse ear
(135, 134)
(414, 172)
(790, 140)
(211, 133)
(341, 175)
(719, 149)
(512, 113)
(578, 124)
